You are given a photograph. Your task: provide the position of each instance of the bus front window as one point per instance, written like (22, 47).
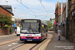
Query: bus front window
(30, 27)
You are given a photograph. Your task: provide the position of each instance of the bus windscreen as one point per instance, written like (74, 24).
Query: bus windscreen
(30, 27)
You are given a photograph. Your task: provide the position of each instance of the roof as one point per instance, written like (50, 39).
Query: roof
(7, 8)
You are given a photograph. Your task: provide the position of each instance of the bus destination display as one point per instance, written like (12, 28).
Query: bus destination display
(30, 21)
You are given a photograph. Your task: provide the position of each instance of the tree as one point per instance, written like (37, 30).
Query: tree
(49, 24)
(5, 20)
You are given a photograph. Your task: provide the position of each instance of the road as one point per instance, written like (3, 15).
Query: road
(20, 45)
(9, 38)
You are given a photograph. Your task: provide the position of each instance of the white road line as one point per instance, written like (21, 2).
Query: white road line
(14, 43)
(9, 45)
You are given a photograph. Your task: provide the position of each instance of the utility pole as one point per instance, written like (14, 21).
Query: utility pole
(14, 13)
(61, 10)
(66, 19)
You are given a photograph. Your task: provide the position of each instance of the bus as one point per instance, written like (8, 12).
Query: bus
(33, 30)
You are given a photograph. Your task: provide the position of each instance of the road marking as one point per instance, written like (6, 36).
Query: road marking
(45, 44)
(9, 45)
(41, 48)
(8, 42)
(25, 46)
(49, 37)
(16, 46)
(14, 43)
(38, 45)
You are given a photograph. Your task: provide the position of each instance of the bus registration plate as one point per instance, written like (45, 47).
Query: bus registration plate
(29, 40)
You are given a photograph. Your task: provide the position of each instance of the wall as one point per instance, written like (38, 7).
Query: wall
(4, 31)
(2, 11)
(71, 20)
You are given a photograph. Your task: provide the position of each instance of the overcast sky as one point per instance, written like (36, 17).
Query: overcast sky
(36, 9)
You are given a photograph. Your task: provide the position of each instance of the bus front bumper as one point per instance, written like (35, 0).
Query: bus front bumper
(30, 39)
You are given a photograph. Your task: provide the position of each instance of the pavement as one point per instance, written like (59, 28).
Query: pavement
(7, 35)
(63, 44)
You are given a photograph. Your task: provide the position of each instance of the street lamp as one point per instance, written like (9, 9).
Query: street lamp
(61, 10)
(6, 1)
(66, 8)
(14, 13)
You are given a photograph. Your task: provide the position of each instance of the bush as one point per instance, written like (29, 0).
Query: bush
(5, 27)
(5, 20)
(11, 29)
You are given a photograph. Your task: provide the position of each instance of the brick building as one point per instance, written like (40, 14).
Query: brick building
(58, 13)
(58, 10)
(18, 21)
(64, 22)
(5, 10)
(71, 20)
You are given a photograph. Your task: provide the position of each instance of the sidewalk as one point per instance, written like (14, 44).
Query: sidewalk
(7, 35)
(63, 44)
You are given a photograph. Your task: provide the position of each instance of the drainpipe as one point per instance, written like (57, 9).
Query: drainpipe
(61, 14)
(66, 19)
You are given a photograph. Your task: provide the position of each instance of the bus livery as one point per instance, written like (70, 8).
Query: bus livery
(33, 30)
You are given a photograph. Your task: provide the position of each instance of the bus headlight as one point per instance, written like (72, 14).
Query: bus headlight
(38, 37)
(21, 37)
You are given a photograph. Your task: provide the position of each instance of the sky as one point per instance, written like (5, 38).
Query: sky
(34, 9)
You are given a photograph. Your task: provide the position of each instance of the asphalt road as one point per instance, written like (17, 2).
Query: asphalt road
(8, 38)
(20, 45)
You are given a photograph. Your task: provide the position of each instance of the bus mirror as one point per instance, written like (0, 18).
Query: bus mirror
(42, 26)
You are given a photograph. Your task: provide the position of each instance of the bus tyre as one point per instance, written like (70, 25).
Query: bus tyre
(24, 42)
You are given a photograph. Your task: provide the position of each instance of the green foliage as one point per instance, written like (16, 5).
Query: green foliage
(5, 27)
(11, 29)
(49, 24)
(5, 20)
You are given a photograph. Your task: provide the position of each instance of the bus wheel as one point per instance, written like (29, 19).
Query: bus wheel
(25, 42)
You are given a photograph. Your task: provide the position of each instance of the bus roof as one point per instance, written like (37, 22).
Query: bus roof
(36, 19)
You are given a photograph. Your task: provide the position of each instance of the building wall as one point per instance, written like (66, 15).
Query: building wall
(52, 21)
(59, 18)
(71, 20)
(4, 31)
(2, 11)
(56, 12)
(64, 22)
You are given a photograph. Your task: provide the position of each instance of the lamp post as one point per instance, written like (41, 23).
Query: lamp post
(6, 1)
(66, 8)
(14, 12)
